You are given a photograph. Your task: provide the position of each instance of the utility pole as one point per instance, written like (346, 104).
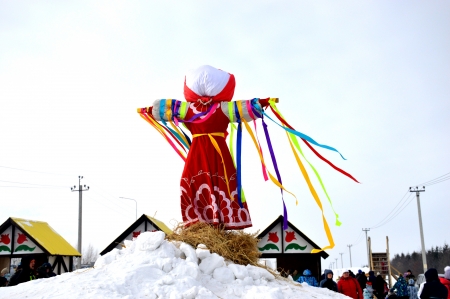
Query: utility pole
(342, 263)
(424, 255)
(336, 262)
(367, 246)
(80, 213)
(350, 251)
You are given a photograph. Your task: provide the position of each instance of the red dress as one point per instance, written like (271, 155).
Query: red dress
(204, 192)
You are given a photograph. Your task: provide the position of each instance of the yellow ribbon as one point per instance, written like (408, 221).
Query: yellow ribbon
(148, 118)
(179, 133)
(216, 146)
(316, 197)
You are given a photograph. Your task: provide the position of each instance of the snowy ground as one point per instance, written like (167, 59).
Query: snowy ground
(151, 267)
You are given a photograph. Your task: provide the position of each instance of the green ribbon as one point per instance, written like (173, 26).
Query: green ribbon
(297, 146)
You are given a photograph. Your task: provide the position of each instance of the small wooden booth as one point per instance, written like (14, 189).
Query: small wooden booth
(21, 237)
(145, 223)
(291, 248)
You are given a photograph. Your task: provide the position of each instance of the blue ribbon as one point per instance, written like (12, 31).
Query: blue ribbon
(303, 136)
(238, 158)
(275, 166)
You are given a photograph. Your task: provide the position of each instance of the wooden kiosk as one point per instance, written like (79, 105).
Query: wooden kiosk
(144, 223)
(291, 248)
(21, 237)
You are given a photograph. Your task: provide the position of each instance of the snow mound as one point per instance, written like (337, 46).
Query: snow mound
(151, 267)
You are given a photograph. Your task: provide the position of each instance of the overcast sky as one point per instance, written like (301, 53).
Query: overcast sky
(370, 78)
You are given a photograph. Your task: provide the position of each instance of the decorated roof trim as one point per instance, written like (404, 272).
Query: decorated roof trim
(280, 219)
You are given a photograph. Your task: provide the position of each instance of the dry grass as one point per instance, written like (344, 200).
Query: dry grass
(237, 246)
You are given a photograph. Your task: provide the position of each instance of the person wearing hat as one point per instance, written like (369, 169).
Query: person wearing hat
(402, 288)
(412, 289)
(26, 273)
(45, 271)
(372, 277)
(328, 281)
(409, 275)
(380, 287)
(362, 279)
(433, 288)
(349, 286)
(446, 280)
(368, 291)
(308, 278)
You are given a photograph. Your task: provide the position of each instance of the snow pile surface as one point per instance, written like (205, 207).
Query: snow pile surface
(151, 267)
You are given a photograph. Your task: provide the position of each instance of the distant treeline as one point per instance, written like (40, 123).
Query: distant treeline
(437, 257)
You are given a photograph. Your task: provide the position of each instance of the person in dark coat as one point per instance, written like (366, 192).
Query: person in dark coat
(362, 279)
(379, 288)
(372, 277)
(50, 270)
(45, 271)
(433, 288)
(350, 272)
(323, 276)
(26, 273)
(409, 275)
(328, 282)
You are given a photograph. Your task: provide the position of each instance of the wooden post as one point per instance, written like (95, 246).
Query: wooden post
(389, 262)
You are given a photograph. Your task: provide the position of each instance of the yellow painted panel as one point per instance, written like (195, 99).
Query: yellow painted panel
(160, 224)
(46, 237)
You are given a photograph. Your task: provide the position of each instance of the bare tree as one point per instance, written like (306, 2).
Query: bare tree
(89, 255)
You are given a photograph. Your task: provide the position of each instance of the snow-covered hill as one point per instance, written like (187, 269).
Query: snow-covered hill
(151, 267)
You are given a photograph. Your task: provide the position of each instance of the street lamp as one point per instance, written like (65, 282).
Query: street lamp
(134, 201)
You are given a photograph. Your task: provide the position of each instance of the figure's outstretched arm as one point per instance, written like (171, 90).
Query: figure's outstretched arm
(244, 109)
(168, 110)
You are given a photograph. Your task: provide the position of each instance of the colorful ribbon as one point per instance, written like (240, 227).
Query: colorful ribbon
(280, 117)
(316, 198)
(160, 129)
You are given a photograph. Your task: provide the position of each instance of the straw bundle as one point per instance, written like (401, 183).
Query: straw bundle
(237, 246)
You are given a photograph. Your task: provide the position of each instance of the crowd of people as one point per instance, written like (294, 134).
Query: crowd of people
(371, 286)
(26, 271)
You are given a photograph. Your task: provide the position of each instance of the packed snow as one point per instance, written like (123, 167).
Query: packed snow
(151, 267)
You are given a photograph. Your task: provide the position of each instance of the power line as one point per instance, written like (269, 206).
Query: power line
(358, 239)
(110, 201)
(105, 205)
(404, 203)
(408, 200)
(436, 182)
(25, 187)
(115, 197)
(44, 172)
(441, 178)
(383, 220)
(34, 184)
